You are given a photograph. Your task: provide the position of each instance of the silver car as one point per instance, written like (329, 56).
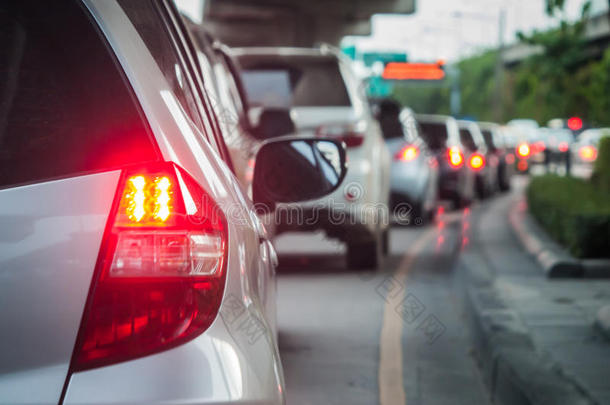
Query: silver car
(415, 168)
(133, 269)
(327, 100)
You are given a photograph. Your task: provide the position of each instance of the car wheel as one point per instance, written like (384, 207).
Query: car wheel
(385, 242)
(365, 255)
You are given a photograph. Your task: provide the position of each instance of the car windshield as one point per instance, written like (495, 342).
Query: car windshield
(295, 82)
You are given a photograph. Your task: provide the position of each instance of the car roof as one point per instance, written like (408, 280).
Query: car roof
(437, 118)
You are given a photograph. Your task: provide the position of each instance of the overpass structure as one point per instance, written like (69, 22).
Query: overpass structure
(294, 22)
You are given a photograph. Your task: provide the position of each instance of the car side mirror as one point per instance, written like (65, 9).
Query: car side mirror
(297, 169)
(273, 123)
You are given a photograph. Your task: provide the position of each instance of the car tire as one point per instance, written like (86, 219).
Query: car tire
(365, 255)
(481, 189)
(385, 241)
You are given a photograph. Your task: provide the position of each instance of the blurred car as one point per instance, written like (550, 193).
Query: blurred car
(503, 150)
(127, 249)
(442, 137)
(537, 140)
(414, 178)
(517, 137)
(557, 143)
(585, 149)
(327, 100)
(479, 158)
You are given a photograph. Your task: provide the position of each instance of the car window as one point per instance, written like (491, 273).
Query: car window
(434, 134)
(302, 82)
(147, 21)
(65, 107)
(488, 137)
(467, 140)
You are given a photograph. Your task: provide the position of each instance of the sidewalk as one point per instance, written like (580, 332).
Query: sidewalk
(534, 337)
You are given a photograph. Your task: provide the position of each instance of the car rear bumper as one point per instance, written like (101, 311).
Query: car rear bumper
(214, 368)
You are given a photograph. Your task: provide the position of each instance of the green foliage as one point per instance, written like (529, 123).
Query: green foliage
(554, 5)
(478, 86)
(574, 211)
(541, 88)
(601, 170)
(423, 98)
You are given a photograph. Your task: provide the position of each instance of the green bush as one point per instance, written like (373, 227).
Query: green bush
(601, 170)
(574, 212)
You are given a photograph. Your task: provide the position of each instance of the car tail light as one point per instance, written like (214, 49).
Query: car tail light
(455, 157)
(407, 154)
(522, 165)
(161, 270)
(538, 147)
(510, 158)
(588, 153)
(523, 150)
(351, 134)
(563, 147)
(476, 162)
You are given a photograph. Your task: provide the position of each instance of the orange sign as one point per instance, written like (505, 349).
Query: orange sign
(413, 71)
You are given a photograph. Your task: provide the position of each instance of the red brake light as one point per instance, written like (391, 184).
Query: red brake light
(348, 133)
(538, 147)
(407, 154)
(588, 153)
(352, 140)
(523, 150)
(575, 123)
(476, 162)
(563, 147)
(455, 157)
(160, 275)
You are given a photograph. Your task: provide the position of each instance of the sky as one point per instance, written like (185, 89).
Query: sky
(451, 29)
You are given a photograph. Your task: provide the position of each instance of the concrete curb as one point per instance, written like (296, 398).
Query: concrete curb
(554, 260)
(602, 321)
(515, 372)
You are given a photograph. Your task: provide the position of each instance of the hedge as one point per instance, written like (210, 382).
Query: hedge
(575, 212)
(601, 168)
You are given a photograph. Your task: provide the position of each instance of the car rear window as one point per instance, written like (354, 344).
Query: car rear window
(295, 82)
(435, 134)
(488, 137)
(65, 108)
(467, 140)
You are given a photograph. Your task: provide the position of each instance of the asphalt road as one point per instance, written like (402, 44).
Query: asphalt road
(393, 336)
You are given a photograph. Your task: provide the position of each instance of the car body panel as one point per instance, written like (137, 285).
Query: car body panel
(50, 234)
(225, 363)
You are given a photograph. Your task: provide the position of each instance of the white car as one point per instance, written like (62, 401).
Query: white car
(327, 100)
(133, 269)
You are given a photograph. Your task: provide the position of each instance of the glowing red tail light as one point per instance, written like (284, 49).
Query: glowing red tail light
(563, 147)
(455, 157)
(407, 154)
(523, 150)
(350, 134)
(476, 162)
(161, 271)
